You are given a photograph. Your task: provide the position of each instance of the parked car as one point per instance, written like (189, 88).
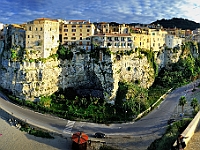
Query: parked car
(170, 121)
(99, 135)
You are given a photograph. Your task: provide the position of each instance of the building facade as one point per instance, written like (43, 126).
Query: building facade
(42, 37)
(115, 42)
(172, 41)
(78, 33)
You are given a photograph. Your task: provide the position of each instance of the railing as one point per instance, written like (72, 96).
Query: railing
(189, 131)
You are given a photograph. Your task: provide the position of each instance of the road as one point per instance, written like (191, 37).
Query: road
(152, 124)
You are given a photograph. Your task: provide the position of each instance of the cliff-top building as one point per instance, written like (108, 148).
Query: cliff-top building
(77, 32)
(42, 37)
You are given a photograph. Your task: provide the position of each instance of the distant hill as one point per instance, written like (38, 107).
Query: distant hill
(178, 23)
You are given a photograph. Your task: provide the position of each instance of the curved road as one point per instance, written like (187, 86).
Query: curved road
(152, 124)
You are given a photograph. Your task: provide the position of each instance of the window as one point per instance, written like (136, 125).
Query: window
(116, 38)
(87, 38)
(100, 55)
(108, 44)
(73, 38)
(129, 39)
(32, 36)
(35, 29)
(28, 36)
(122, 39)
(80, 30)
(80, 38)
(73, 30)
(41, 29)
(39, 36)
(129, 44)
(73, 34)
(80, 34)
(116, 44)
(88, 26)
(65, 30)
(30, 28)
(73, 26)
(65, 26)
(65, 38)
(88, 43)
(65, 34)
(80, 43)
(88, 30)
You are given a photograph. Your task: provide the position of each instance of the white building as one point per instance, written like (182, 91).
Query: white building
(172, 41)
(1, 26)
(114, 42)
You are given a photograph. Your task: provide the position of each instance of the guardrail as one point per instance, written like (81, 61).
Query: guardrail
(189, 131)
(152, 106)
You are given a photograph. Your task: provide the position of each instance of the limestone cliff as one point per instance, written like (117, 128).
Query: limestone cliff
(86, 74)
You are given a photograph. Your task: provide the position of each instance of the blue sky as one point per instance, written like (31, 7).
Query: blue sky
(121, 11)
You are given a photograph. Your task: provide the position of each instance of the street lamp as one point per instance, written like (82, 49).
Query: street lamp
(141, 97)
(125, 115)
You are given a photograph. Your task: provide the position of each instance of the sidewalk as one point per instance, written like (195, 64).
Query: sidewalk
(14, 139)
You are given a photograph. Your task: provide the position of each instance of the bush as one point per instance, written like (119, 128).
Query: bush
(36, 132)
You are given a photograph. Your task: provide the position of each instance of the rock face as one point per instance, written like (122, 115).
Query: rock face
(88, 76)
(30, 80)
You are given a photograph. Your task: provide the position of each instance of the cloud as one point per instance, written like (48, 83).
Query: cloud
(122, 11)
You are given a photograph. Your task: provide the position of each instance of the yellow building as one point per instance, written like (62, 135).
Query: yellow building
(149, 38)
(157, 38)
(42, 37)
(141, 37)
(175, 31)
(113, 28)
(77, 32)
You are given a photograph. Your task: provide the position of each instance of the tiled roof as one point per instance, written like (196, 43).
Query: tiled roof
(39, 19)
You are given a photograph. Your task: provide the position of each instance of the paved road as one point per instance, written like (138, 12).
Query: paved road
(152, 126)
(154, 123)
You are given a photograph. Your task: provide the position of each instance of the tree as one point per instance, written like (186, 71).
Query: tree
(182, 102)
(194, 103)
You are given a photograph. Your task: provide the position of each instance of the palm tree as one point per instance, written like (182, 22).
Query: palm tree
(182, 102)
(194, 103)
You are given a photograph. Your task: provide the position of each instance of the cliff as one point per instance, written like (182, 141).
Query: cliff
(29, 80)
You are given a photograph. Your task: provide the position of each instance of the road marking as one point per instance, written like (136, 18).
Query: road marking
(68, 127)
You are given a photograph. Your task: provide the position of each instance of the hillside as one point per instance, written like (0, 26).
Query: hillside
(178, 23)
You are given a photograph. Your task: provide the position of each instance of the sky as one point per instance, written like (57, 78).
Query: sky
(121, 11)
